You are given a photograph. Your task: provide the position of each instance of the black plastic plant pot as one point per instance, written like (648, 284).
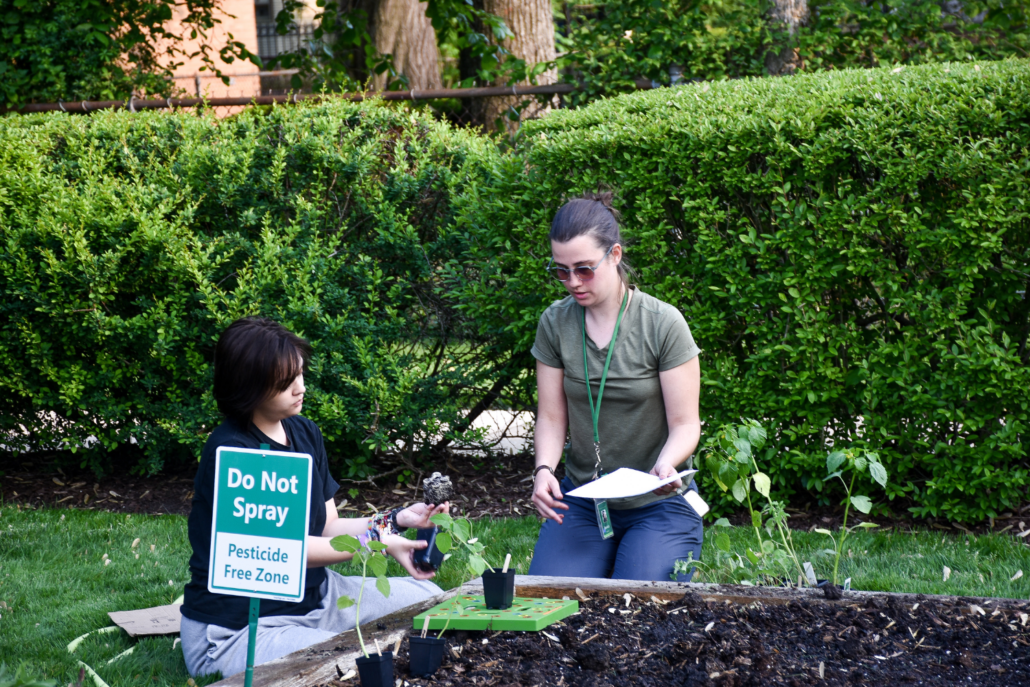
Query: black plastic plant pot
(498, 588)
(376, 670)
(429, 558)
(426, 655)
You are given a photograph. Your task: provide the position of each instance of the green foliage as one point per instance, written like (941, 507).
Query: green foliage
(20, 679)
(128, 242)
(460, 530)
(850, 250)
(731, 462)
(343, 54)
(627, 40)
(102, 49)
(857, 462)
(372, 560)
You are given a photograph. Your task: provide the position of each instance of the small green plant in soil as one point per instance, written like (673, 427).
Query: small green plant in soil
(371, 560)
(460, 530)
(855, 462)
(731, 460)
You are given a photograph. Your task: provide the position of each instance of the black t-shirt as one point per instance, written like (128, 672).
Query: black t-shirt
(232, 611)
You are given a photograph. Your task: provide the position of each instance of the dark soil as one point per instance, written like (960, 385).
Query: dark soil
(485, 487)
(691, 642)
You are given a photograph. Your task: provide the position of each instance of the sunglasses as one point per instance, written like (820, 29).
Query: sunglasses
(583, 272)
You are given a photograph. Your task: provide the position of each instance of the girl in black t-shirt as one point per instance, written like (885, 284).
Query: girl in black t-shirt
(259, 387)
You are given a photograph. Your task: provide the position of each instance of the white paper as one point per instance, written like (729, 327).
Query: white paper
(624, 483)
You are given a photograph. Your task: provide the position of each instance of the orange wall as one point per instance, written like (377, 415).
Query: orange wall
(244, 80)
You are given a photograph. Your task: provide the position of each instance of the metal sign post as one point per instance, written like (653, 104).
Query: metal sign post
(259, 529)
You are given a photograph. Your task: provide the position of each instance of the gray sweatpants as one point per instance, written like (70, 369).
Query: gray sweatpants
(212, 649)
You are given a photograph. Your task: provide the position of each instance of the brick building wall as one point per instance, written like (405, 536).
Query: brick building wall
(237, 18)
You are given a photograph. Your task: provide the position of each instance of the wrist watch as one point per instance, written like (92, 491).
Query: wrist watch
(538, 468)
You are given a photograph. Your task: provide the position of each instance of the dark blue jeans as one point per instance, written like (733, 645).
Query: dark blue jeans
(647, 542)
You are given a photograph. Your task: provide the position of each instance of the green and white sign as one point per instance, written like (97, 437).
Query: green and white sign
(260, 523)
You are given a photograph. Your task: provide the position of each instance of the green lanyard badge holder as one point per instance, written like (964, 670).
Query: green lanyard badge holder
(604, 521)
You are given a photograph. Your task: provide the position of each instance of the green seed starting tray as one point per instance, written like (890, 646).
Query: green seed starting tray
(467, 612)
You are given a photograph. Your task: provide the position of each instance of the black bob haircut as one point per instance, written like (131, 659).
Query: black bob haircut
(255, 359)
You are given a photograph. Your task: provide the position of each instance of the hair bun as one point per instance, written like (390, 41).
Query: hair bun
(604, 198)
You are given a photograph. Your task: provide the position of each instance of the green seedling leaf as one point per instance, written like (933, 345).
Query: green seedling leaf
(739, 492)
(344, 602)
(722, 522)
(744, 459)
(727, 475)
(345, 543)
(834, 461)
(832, 475)
(861, 463)
(768, 547)
(867, 525)
(752, 556)
(462, 530)
(377, 546)
(757, 436)
(722, 542)
(383, 585)
(821, 530)
(879, 473)
(477, 565)
(442, 520)
(762, 483)
(443, 541)
(743, 446)
(862, 503)
(756, 518)
(377, 564)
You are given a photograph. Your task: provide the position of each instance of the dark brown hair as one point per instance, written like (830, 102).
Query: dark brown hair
(592, 215)
(255, 359)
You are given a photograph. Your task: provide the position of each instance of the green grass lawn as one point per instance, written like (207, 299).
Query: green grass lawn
(56, 586)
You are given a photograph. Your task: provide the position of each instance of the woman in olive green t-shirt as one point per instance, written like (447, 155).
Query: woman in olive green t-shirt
(647, 418)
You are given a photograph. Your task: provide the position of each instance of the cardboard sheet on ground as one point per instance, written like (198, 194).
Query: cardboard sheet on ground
(624, 483)
(160, 620)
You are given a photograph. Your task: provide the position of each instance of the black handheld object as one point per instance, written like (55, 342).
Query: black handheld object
(429, 558)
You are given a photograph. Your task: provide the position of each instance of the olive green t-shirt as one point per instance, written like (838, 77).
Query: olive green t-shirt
(653, 338)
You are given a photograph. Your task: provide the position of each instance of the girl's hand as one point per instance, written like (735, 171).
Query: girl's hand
(418, 515)
(662, 471)
(404, 550)
(547, 496)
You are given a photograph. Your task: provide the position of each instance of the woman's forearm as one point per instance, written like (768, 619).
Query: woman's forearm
(351, 526)
(321, 553)
(680, 445)
(549, 441)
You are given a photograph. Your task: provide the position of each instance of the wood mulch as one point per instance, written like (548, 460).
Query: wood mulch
(485, 487)
(620, 640)
(494, 487)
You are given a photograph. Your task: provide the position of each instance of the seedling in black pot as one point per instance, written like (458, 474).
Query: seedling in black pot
(499, 586)
(375, 670)
(425, 653)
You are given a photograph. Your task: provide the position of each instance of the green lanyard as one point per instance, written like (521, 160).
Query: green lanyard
(595, 411)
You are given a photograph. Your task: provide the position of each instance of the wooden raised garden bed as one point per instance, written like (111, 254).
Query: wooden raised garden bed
(666, 633)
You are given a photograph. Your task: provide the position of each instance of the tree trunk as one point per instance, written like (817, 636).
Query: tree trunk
(533, 26)
(402, 29)
(786, 60)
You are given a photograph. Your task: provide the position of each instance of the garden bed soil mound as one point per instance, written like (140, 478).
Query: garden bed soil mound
(692, 642)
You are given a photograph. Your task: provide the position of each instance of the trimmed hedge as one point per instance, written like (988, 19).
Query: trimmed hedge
(129, 241)
(851, 250)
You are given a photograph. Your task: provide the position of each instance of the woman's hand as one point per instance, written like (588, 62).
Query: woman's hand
(404, 550)
(418, 515)
(662, 471)
(547, 496)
